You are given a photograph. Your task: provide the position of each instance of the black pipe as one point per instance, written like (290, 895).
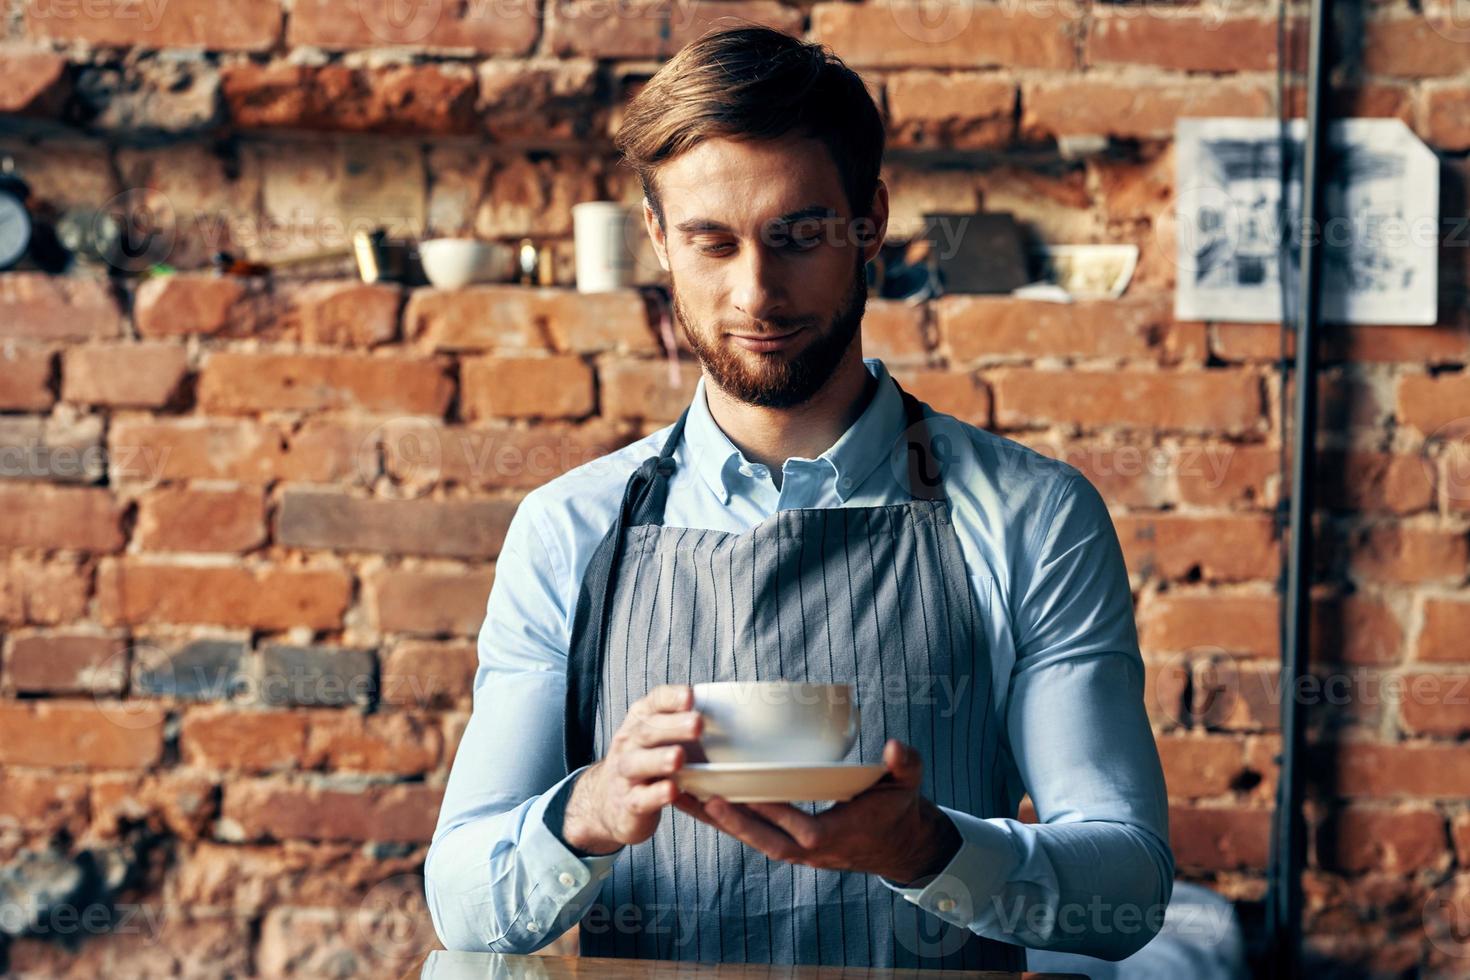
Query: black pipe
(1284, 899)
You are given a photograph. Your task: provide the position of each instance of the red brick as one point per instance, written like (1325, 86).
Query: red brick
(396, 99)
(1446, 114)
(1227, 622)
(233, 740)
(25, 378)
(66, 663)
(895, 333)
(644, 390)
(964, 110)
(1400, 841)
(189, 519)
(476, 318)
(588, 323)
(1413, 45)
(1219, 838)
(1445, 633)
(84, 518)
(394, 742)
(1233, 694)
(494, 457)
(432, 602)
(215, 25)
(1461, 831)
(1127, 474)
(1433, 703)
(1196, 766)
(1124, 108)
(1447, 343)
(966, 36)
(178, 803)
(78, 734)
(36, 306)
(1430, 402)
(262, 809)
(348, 314)
(134, 591)
(250, 879)
(1370, 769)
(1211, 401)
(644, 29)
(160, 450)
(378, 24)
(1373, 482)
(1166, 685)
(44, 593)
(1001, 327)
(541, 99)
(1187, 40)
(1217, 549)
(44, 803)
(163, 941)
(962, 395)
(428, 675)
(1229, 475)
(34, 82)
(179, 305)
(527, 387)
(260, 382)
(339, 521)
(1396, 553)
(123, 375)
(380, 937)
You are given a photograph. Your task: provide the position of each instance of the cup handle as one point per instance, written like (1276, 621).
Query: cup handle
(853, 725)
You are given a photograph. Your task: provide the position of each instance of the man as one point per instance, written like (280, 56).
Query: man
(804, 520)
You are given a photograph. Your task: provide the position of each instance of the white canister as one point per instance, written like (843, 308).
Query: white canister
(602, 232)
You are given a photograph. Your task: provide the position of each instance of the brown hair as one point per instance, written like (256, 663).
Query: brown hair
(755, 83)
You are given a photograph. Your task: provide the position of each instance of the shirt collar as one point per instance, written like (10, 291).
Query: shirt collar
(853, 457)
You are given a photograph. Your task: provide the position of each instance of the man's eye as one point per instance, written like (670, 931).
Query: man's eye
(713, 249)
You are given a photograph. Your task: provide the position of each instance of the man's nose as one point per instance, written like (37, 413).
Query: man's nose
(759, 291)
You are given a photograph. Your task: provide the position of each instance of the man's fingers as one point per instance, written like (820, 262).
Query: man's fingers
(666, 697)
(640, 764)
(739, 822)
(904, 762)
(800, 827)
(652, 796)
(666, 728)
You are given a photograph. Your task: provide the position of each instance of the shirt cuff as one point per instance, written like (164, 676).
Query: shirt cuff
(564, 882)
(979, 869)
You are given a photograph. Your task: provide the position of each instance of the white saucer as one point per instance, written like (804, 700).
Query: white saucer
(777, 782)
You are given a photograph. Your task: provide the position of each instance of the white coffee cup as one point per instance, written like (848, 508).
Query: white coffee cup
(776, 721)
(602, 235)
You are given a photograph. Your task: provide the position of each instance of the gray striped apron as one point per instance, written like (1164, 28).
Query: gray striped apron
(874, 596)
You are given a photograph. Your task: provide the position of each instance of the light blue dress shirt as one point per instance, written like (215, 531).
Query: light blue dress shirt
(1092, 876)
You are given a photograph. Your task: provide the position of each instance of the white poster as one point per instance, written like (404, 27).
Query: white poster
(1379, 236)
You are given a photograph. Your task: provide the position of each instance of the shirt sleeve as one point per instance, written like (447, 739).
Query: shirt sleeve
(1095, 873)
(498, 877)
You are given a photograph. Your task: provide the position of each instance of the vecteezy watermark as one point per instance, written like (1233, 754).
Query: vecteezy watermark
(70, 920)
(1445, 456)
(147, 13)
(1446, 918)
(393, 918)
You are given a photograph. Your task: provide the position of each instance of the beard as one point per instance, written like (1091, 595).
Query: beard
(780, 379)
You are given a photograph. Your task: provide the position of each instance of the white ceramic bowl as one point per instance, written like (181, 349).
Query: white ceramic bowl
(452, 263)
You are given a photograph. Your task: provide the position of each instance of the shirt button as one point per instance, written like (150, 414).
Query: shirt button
(566, 879)
(847, 483)
(945, 905)
(533, 926)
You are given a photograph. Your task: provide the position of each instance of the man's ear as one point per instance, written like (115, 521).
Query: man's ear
(656, 235)
(879, 217)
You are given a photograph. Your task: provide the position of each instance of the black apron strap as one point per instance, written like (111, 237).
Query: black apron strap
(643, 502)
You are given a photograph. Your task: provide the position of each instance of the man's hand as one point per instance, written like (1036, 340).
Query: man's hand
(889, 829)
(619, 799)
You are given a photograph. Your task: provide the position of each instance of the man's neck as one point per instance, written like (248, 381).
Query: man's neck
(771, 436)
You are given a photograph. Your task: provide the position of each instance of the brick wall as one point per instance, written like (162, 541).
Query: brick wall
(248, 530)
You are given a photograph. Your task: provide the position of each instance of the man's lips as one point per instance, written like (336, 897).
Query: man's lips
(765, 342)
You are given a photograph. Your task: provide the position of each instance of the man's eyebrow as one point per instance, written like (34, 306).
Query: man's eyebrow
(791, 217)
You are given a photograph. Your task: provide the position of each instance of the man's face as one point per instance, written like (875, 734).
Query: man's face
(767, 264)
